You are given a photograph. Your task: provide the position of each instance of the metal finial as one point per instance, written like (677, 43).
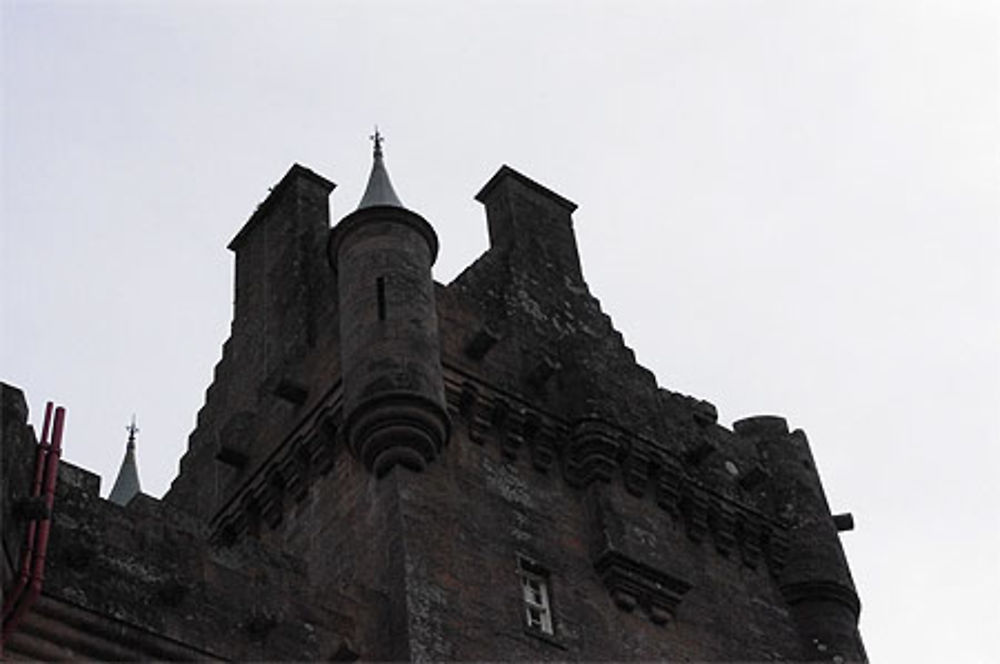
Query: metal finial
(377, 139)
(132, 430)
(379, 192)
(127, 483)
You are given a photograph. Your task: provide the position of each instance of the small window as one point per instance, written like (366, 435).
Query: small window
(535, 592)
(380, 295)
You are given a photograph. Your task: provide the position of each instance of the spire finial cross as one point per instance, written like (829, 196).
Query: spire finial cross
(132, 430)
(377, 139)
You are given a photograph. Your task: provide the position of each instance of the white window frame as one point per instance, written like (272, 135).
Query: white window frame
(536, 597)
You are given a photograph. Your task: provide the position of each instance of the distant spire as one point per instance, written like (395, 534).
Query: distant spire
(379, 190)
(127, 484)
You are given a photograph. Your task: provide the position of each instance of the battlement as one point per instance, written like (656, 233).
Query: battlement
(732, 510)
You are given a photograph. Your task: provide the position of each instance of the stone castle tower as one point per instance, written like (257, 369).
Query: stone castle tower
(388, 468)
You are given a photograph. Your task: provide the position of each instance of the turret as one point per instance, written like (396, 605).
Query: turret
(394, 408)
(127, 483)
(815, 581)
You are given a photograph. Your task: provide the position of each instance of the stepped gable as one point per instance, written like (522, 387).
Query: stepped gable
(528, 287)
(527, 290)
(282, 345)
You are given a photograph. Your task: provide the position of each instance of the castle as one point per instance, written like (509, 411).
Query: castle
(387, 468)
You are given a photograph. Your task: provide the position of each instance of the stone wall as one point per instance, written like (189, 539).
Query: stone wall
(143, 582)
(659, 533)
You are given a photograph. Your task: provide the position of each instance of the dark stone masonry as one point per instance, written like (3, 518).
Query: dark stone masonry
(388, 468)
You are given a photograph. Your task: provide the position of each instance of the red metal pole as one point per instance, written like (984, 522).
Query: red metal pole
(27, 555)
(42, 541)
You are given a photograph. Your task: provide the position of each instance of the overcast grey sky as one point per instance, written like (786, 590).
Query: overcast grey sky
(787, 207)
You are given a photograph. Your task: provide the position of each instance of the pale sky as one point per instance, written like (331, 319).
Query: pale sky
(787, 207)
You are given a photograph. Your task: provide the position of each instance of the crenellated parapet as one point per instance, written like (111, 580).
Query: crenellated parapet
(591, 451)
(586, 453)
(284, 479)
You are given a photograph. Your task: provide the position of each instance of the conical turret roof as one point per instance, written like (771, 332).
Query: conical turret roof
(127, 484)
(379, 191)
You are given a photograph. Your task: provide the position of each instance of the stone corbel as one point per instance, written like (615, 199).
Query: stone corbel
(634, 584)
(540, 439)
(636, 470)
(749, 539)
(669, 486)
(723, 523)
(776, 548)
(591, 452)
(694, 506)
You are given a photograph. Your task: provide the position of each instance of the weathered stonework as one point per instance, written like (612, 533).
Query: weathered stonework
(377, 452)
